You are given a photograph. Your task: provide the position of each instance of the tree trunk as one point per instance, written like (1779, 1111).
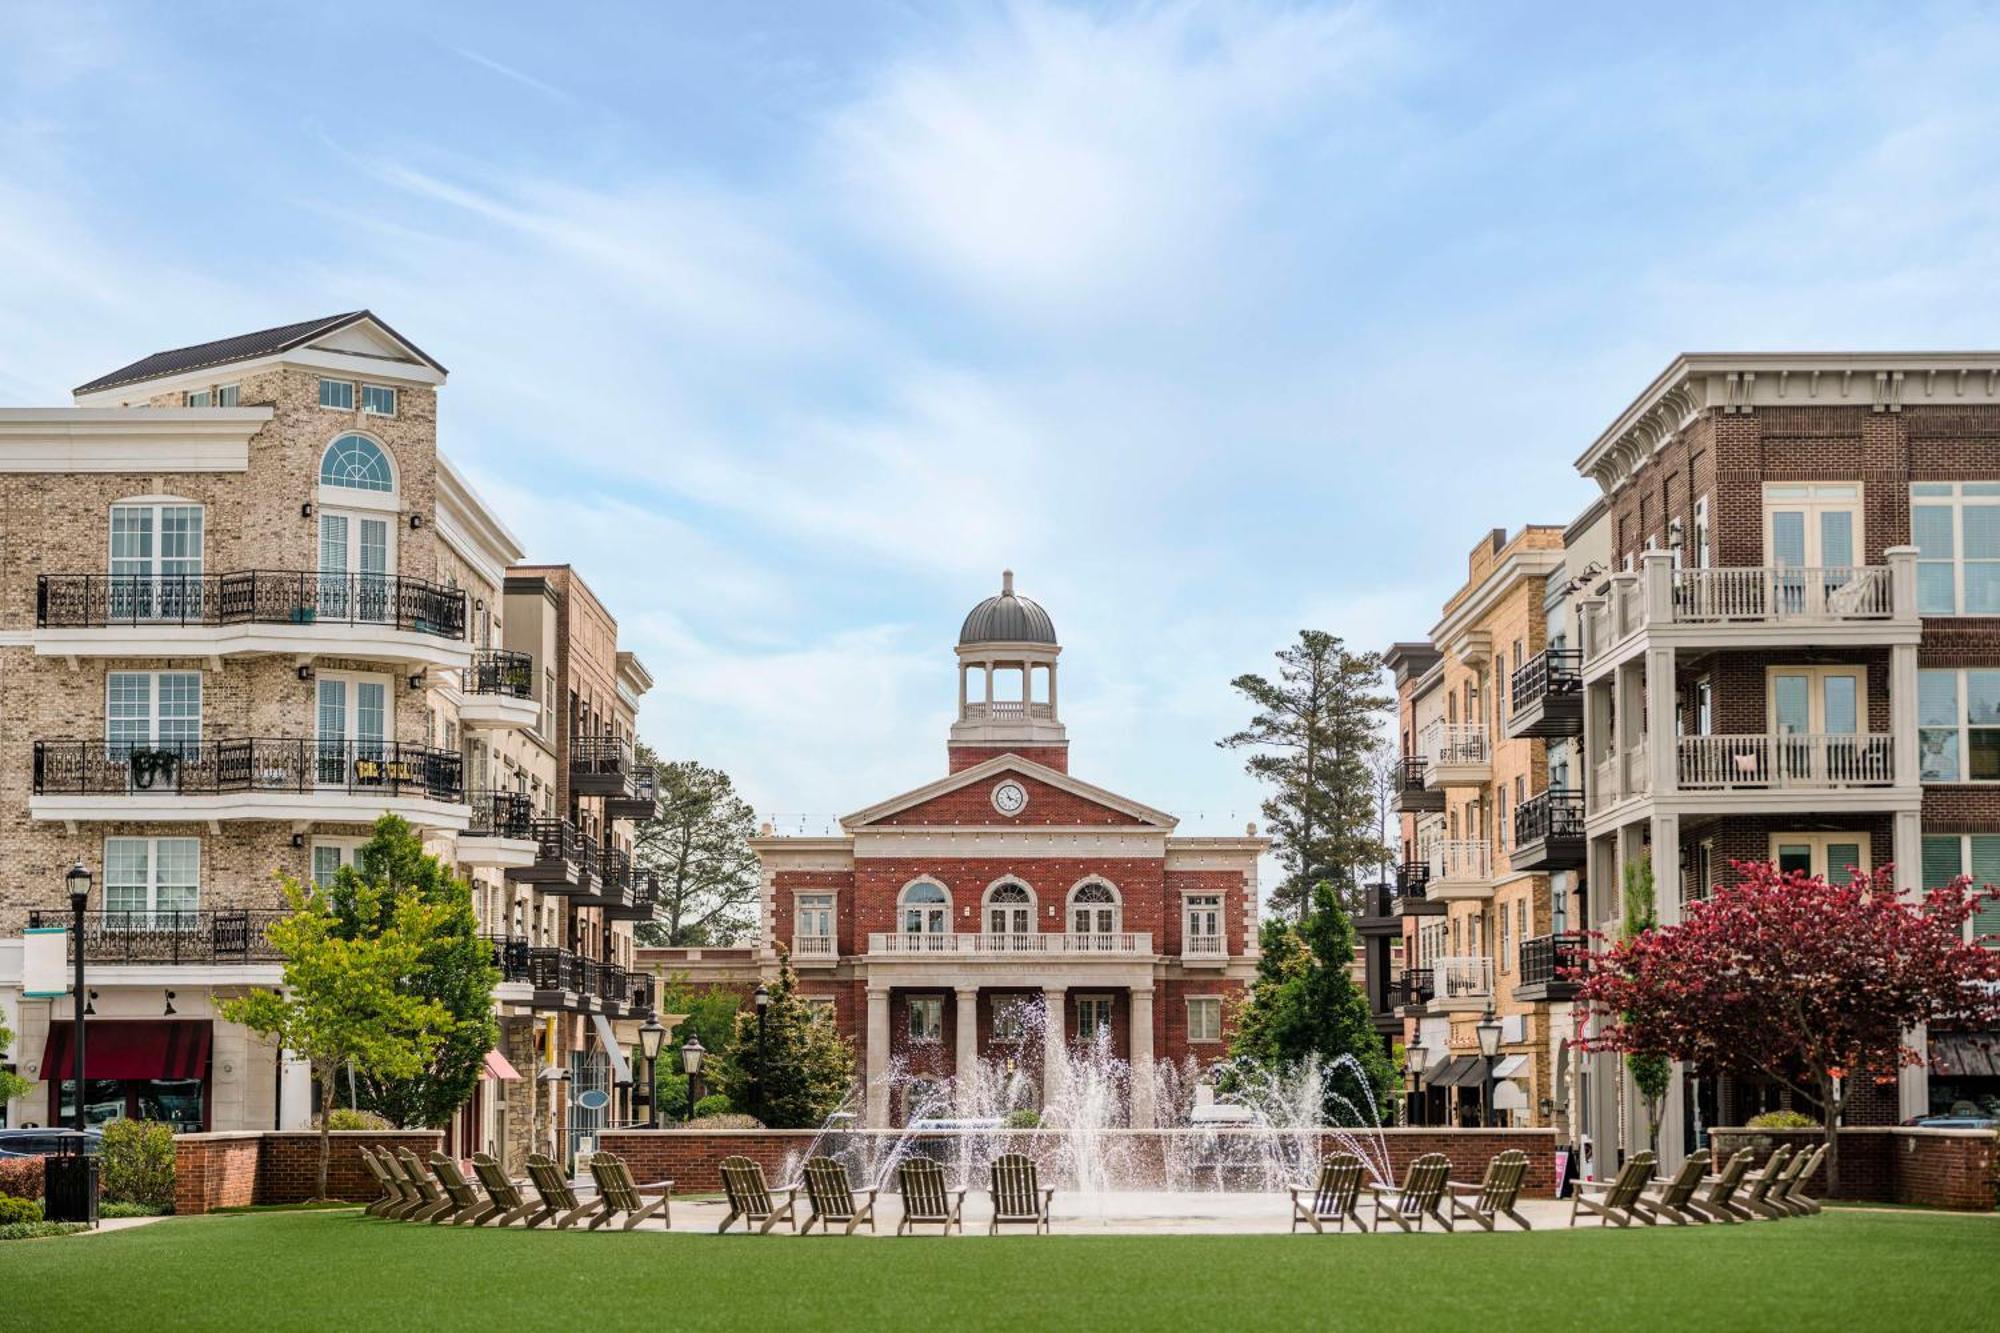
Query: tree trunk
(327, 1091)
(1830, 1113)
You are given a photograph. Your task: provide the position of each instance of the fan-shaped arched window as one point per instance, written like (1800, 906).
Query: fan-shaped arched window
(356, 463)
(1010, 909)
(1093, 908)
(926, 908)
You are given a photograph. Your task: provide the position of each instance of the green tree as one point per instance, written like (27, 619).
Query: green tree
(1652, 1074)
(12, 1085)
(1304, 1003)
(710, 1014)
(699, 846)
(343, 1003)
(456, 970)
(1315, 735)
(804, 1069)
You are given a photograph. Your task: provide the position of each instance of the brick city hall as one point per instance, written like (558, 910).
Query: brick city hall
(952, 923)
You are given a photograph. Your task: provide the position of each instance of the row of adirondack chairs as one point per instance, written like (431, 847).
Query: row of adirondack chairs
(1427, 1191)
(443, 1194)
(928, 1199)
(1694, 1195)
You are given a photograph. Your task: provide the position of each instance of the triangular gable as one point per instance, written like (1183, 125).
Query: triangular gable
(1049, 791)
(365, 335)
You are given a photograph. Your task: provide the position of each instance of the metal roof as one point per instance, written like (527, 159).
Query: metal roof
(242, 347)
(1007, 618)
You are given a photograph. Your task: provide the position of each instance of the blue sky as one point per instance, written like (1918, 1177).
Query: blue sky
(792, 325)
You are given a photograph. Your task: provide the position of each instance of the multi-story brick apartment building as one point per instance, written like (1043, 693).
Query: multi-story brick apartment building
(940, 923)
(1794, 658)
(246, 607)
(1484, 834)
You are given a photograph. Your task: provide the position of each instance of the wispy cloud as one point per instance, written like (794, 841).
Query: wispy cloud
(521, 77)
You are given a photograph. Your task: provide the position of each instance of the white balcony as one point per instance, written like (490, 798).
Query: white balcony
(1794, 760)
(814, 950)
(1117, 944)
(1461, 870)
(1462, 982)
(1212, 948)
(1456, 754)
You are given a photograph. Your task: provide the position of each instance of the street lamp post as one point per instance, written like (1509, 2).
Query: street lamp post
(761, 997)
(78, 881)
(1488, 1030)
(1414, 1054)
(691, 1054)
(651, 1036)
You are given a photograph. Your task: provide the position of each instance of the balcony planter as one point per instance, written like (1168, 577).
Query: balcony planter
(153, 769)
(304, 615)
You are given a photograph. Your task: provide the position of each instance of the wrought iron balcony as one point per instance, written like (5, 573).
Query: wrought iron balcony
(1545, 962)
(1417, 988)
(501, 814)
(640, 802)
(1412, 794)
(1413, 890)
(252, 596)
(501, 671)
(564, 979)
(566, 860)
(1548, 831)
(247, 764)
(226, 936)
(1548, 695)
(601, 766)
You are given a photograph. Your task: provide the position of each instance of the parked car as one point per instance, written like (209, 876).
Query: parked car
(44, 1142)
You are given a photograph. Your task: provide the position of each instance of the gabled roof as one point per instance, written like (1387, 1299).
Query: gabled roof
(244, 347)
(1009, 762)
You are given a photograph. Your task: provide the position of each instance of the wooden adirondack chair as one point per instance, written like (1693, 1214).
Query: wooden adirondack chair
(1719, 1204)
(1674, 1199)
(433, 1200)
(559, 1202)
(392, 1191)
(926, 1197)
(1796, 1198)
(412, 1199)
(1018, 1195)
(1421, 1195)
(466, 1201)
(1495, 1196)
(750, 1199)
(833, 1199)
(505, 1203)
(1617, 1200)
(1757, 1185)
(621, 1193)
(1332, 1198)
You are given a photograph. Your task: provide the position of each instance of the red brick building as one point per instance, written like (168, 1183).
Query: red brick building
(944, 925)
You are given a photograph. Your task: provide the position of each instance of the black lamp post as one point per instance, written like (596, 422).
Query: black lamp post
(651, 1036)
(1488, 1030)
(761, 997)
(1414, 1055)
(78, 880)
(691, 1053)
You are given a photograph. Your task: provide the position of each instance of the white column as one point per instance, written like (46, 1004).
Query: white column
(878, 1059)
(989, 688)
(1666, 834)
(961, 691)
(1053, 714)
(968, 1044)
(1903, 744)
(1913, 1082)
(1054, 1045)
(1142, 1058)
(1663, 754)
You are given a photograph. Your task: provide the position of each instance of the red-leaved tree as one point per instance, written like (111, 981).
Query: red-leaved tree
(1808, 983)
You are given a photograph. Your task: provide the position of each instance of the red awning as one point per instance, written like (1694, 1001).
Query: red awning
(147, 1048)
(498, 1067)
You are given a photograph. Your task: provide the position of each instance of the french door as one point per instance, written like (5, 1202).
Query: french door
(353, 724)
(1811, 526)
(1816, 721)
(355, 557)
(155, 562)
(1831, 855)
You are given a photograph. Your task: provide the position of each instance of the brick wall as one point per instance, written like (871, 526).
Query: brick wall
(1931, 1168)
(236, 1170)
(692, 1160)
(962, 757)
(1047, 805)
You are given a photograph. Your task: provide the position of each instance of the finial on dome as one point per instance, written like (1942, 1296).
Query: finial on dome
(1006, 583)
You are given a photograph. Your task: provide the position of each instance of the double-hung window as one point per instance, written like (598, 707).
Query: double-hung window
(337, 394)
(1204, 1018)
(329, 855)
(1955, 526)
(1093, 1016)
(152, 882)
(152, 710)
(814, 926)
(1958, 726)
(1950, 855)
(1203, 925)
(378, 400)
(926, 1017)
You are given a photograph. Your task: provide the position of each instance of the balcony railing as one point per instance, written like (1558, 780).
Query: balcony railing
(1832, 593)
(815, 946)
(253, 596)
(169, 937)
(1204, 946)
(1456, 743)
(1546, 958)
(1009, 709)
(562, 849)
(1411, 878)
(1463, 978)
(247, 764)
(1556, 672)
(1418, 986)
(1461, 860)
(1555, 813)
(547, 969)
(1410, 773)
(500, 814)
(501, 671)
(604, 756)
(1792, 760)
(1121, 943)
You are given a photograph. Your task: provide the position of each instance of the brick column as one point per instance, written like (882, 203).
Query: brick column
(878, 1059)
(1054, 1050)
(968, 1044)
(1142, 1058)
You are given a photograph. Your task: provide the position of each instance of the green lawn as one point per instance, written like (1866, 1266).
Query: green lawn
(339, 1270)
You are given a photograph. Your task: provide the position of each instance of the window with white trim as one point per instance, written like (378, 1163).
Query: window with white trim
(356, 463)
(337, 394)
(814, 913)
(1958, 726)
(156, 561)
(1701, 548)
(197, 398)
(1947, 856)
(1093, 909)
(1955, 526)
(1093, 1016)
(926, 908)
(926, 1017)
(228, 395)
(147, 710)
(1204, 1018)
(152, 878)
(1010, 1020)
(1010, 910)
(329, 855)
(1202, 924)
(378, 400)
(1832, 856)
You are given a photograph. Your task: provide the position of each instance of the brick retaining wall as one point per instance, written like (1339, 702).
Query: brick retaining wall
(692, 1158)
(1932, 1168)
(234, 1170)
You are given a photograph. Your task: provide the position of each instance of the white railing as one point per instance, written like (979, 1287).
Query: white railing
(1462, 978)
(814, 946)
(1204, 946)
(1796, 760)
(1009, 708)
(903, 943)
(1832, 594)
(1446, 743)
(1603, 789)
(1460, 859)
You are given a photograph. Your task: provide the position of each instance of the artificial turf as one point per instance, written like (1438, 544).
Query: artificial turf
(340, 1270)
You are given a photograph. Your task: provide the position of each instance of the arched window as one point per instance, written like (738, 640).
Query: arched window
(926, 908)
(1093, 908)
(356, 463)
(1010, 909)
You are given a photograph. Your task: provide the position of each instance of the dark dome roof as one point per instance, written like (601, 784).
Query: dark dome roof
(1007, 619)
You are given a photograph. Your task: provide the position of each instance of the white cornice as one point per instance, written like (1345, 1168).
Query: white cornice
(1001, 763)
(128, 439)
(470, 527)
(1745, 381)
(1526, 563)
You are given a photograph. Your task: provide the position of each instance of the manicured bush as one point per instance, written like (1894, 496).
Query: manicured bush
(138, 1162)
(728, 1122)
(1023, 1119)
(714, 1104)
(14, 1210)
(36, 1230)
(21, 1177)
(132, 1210)
(1783, 1120)
(343, 1117)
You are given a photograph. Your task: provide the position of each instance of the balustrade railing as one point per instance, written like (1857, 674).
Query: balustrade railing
(1463, 978)
(1831, 593)
(252, 596)
(1460, 859)
(200, 936)
(246, 764)
(1050, 942)
(1452, 743)
(1862, 759)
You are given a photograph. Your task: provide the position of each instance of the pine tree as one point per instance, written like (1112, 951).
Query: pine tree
(699, 846)
(801, 1070)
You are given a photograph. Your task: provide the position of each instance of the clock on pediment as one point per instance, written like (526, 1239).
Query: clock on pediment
(1010, 797)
